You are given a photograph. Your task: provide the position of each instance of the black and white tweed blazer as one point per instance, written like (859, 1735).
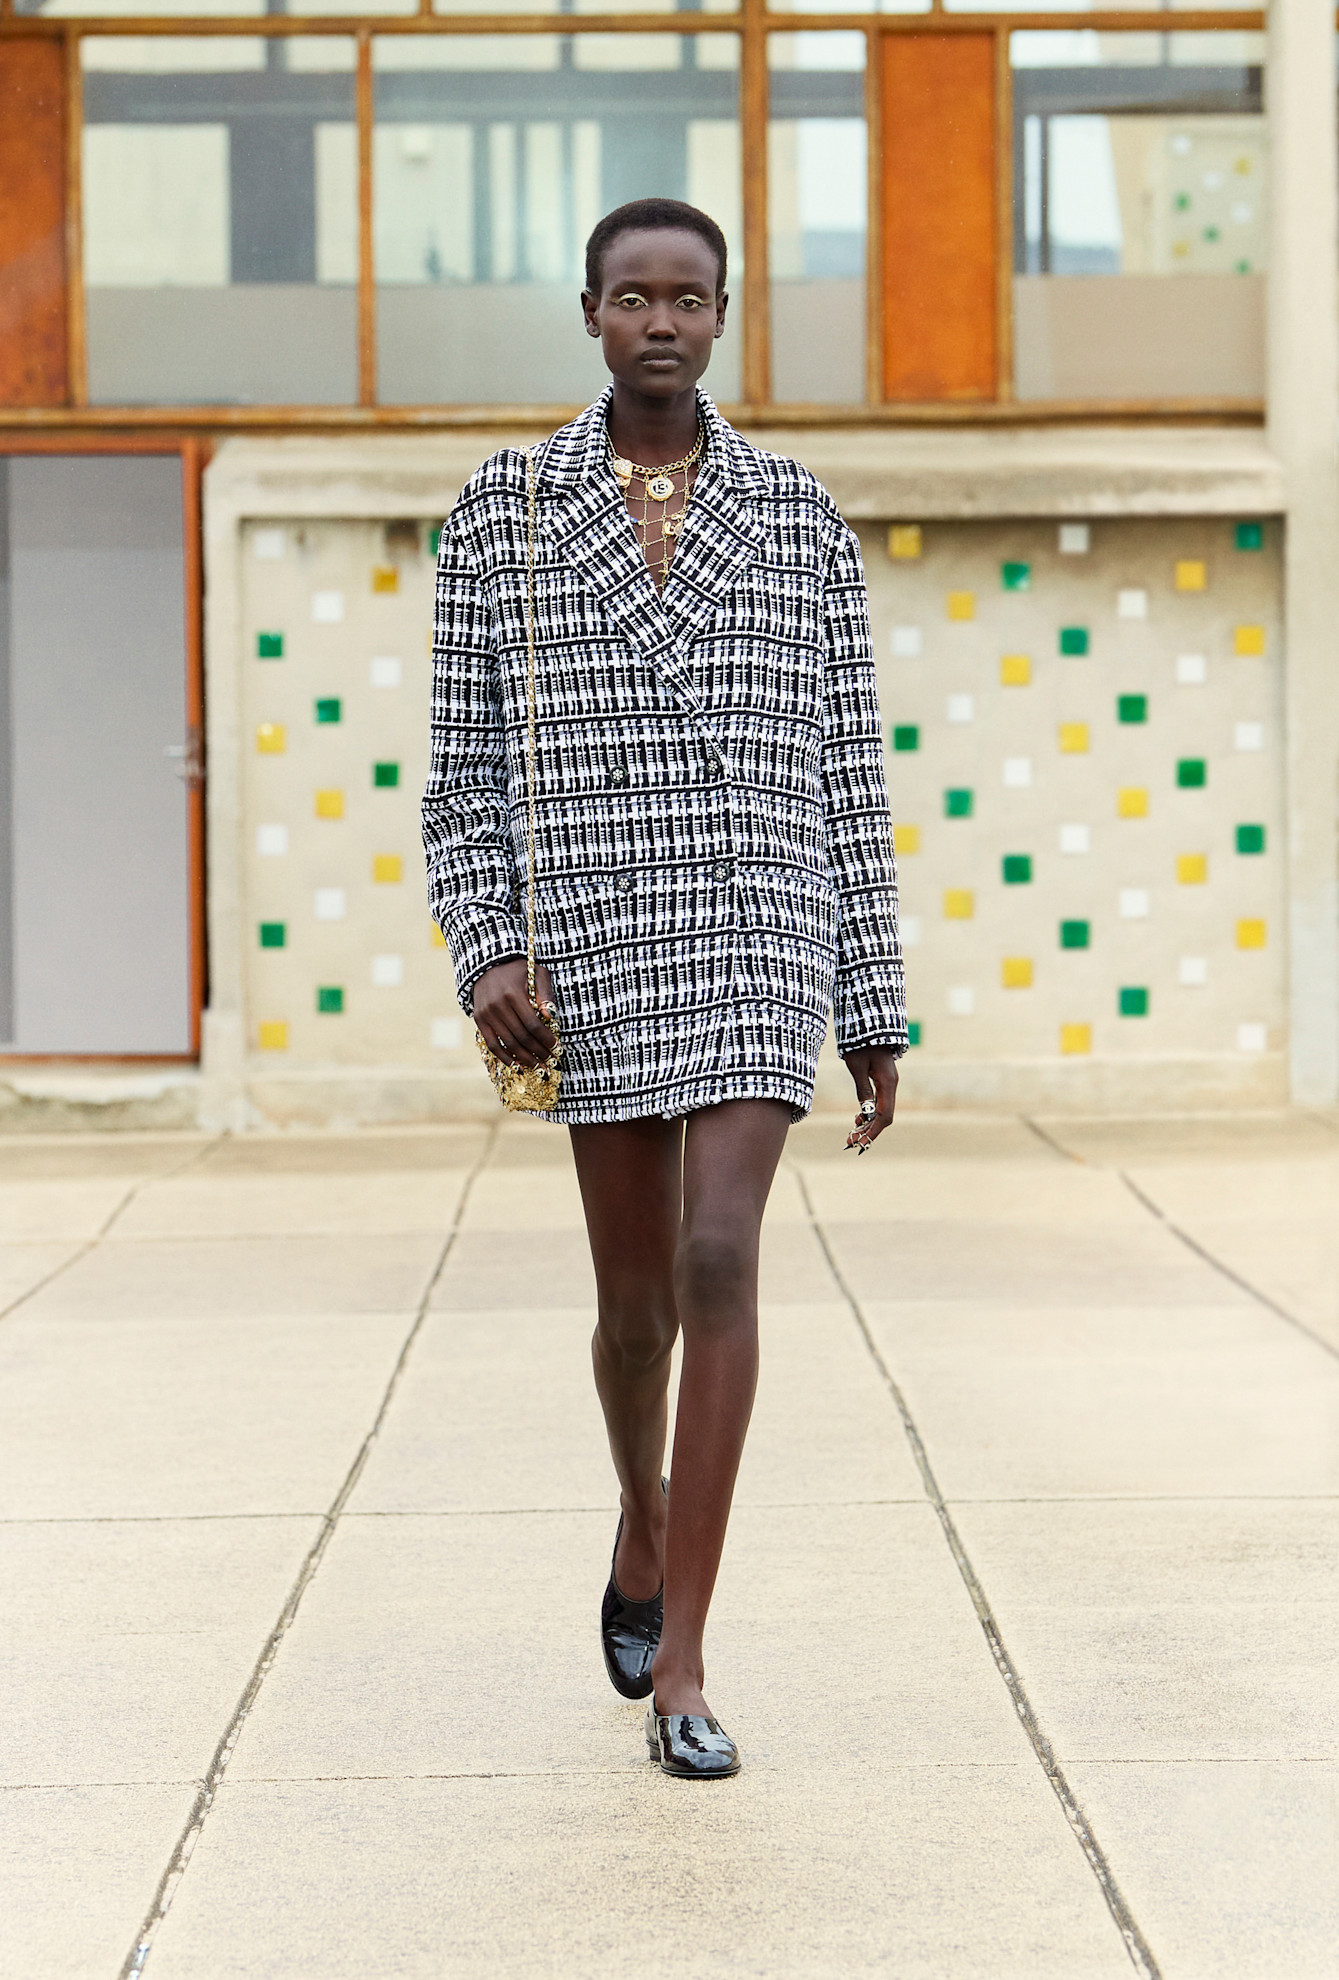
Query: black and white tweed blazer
(714, 850)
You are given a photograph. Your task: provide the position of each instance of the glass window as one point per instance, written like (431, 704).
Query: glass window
(817, 199)
(1140, 215)
(493, 157)
(220, 222)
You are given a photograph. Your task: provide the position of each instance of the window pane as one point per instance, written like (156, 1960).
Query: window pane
(1140, 215)
(817, 197)
(220, 222)
(493, 158)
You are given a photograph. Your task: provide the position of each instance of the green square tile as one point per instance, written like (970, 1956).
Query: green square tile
(273, 934)
(1250, 838)
(1181, 204)
(1211, 234)
(957, 804)
(386, 776)
(1017, 869)
(1132, 708)
(329, 1000)
(435, 538)
(1250, 536)
(1074, 641)
(1075, 934)
(1016, 577)
(906, 736)
(269, 646)
(1132, 1001)
(1192, 773)
(329, 709)
(914, 1032)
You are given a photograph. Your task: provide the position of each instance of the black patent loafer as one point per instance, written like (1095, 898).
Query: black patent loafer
(630, 1632)
(694, 1749)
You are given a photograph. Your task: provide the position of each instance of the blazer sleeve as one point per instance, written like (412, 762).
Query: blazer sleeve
(473, 884)
(869, 999)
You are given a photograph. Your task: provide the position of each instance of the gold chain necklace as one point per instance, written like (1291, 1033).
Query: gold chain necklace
(658, 486)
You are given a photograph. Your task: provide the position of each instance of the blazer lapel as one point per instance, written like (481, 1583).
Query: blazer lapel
(721, 530)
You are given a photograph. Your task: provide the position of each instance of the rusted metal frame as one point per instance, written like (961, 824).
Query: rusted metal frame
(264, 26)
(874, 197)
(1004, 218)
(367, 286)
(193, 455)
(76, 322)
(754, 114)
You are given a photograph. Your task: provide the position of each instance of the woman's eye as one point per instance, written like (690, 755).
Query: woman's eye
(690, 302)
(631, 302)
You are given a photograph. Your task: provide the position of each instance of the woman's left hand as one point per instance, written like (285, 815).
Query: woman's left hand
(874, 1070)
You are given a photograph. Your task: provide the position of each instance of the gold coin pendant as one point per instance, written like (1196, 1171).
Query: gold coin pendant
(660, 487)
(622, 470)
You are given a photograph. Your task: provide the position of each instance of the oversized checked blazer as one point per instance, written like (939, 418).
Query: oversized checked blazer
(713, 846)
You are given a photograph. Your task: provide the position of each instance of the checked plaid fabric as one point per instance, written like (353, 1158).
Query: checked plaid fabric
(713, 848)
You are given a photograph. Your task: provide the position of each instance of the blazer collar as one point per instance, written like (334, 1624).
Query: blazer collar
(577, 453)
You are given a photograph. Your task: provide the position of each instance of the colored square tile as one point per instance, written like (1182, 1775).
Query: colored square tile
(1075, 539)
(1193, 971)
(1132, 603)
(330, 804)
(387, 972)
(1016, 973)
(1131, 708)
(330, 904)
(1074, 641)
(1132, 1001)
(959, 904)
(906, 839)
(959, 708)
(1192, 773)
(329, 1000)
(273, 934)
(271, 739)
(327, 608)
(386, 671)
(961, 1000)
(435, 539)
(385, 577)
(1248, 641)
(906, 736)
(1248, 735)
(957, 804)
(1018, 773)
(1252, 1037)
(1250, 934)
(1133, 903)
(386, 776)
(907, 643)
(273, 1035)
(1075, 839)
(387, 869)
(436, 939)
(1192, 670)
(1016, 577)
(445, 1033)
(1250, 838)
(961, 605)
(913, 1031)
(1191, 574)
(269, 646)
(329, 709)
(1075, 934)
(1250, 536)
(1076, 1039)
(1016, 869)
(911, 930)
(1015, 670)
(1073, 738)
(1192, 869)
(1131, 802)
(904, 541)
(271, 841)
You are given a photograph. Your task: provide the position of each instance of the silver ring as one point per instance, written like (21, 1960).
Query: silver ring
(868, 1109)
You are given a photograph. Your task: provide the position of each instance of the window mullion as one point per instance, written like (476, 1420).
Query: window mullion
(753, 114)
(367, 289)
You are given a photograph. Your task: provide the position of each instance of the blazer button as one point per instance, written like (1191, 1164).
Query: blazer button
(721, 870)
(624, 883)
(618, 773)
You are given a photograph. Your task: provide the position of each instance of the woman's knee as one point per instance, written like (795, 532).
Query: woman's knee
(716, 1275)
(634, 1335)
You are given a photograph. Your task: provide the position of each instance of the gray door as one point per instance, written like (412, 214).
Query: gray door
(94, 846)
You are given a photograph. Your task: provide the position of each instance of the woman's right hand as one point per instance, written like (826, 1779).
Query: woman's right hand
(507, 1021)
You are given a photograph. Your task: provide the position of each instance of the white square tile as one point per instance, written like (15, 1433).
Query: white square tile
(1248, 735)
(911, 929)
(906, 642)
(444, 1034)
(1192, 670)
(1134, 903)
(1018, 772)
(387, 972)
(960, 708)
(330, 904)
(1076, 839)
(1131, 604)
(328, 607)
(269, 545)
(387, 671)
(961, 1000)
(1075, 539)
(1252, 1037)
(1193, 971)
(271, 841)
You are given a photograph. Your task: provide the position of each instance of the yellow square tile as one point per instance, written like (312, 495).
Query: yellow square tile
(1191, 574)
(437, 938)
(1250, 934)
(961, 604)
(271, 739)
(387, 868)
(330, 804)
(906, 839)
(274, 1035)
(385, 577)
(1248, 640)
(1015, 670)
(1076, 1038)
(1073, 738)
(904, 540)
(959, 904)
(1131, 802)
(1192, 869)
(1016, 972)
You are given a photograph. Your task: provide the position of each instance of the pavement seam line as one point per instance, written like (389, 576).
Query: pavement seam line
(170, 1881)
(91, 1244)
(1224, 1269)
(1136, 1946)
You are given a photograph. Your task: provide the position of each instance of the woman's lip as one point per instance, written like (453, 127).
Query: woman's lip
(660, 357)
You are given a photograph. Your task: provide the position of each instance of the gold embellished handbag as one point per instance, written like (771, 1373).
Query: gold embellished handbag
(528, 1089)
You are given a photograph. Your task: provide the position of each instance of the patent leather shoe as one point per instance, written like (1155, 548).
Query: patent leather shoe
(630, 1631)
(694, 1749)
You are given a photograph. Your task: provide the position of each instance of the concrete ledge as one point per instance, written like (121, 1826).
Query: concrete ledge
(64, 1100)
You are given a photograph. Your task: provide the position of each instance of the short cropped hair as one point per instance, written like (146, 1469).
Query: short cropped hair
(652, 216)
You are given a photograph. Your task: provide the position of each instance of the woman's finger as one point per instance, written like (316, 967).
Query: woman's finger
(884, 1073)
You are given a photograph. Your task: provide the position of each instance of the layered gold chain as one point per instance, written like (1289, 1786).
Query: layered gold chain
(659, 487)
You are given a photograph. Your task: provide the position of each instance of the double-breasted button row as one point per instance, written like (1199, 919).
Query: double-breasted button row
(618, 774)
(722, 870)
(625, 883)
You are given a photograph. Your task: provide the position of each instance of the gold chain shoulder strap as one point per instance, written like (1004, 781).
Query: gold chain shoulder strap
(530, 723)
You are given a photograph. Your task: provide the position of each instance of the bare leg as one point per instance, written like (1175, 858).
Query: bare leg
(632, 1187)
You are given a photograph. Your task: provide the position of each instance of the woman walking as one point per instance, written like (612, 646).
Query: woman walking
(655, 727)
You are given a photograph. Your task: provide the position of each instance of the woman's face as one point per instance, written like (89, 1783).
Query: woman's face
(658, 313)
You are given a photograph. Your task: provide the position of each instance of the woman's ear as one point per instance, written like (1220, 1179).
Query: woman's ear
(721, 302)
(589, 304)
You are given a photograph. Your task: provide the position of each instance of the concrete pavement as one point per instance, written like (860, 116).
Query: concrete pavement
(1026, 1624)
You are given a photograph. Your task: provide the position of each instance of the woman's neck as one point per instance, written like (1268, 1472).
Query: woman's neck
(652, 431)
